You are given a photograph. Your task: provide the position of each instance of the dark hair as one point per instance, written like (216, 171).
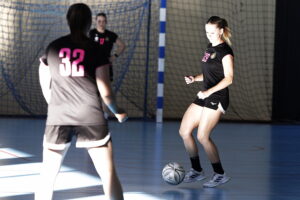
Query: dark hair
(79, 18)
(221, 23)
(102, 14)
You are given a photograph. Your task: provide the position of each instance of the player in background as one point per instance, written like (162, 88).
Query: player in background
(73, 72)
(106, 40)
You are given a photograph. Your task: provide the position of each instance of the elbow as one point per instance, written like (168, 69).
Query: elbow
(122, 45)
(107, 97)
(229, 80)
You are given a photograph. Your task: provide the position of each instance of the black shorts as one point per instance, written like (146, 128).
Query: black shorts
(214, 102)
(58, 137)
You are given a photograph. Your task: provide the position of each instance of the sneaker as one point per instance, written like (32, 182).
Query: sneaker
(216, 180)
(193, 175)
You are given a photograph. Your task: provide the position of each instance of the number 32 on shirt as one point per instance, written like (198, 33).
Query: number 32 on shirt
(68, 68)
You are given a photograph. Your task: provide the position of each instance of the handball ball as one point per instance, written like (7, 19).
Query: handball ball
(173, 173)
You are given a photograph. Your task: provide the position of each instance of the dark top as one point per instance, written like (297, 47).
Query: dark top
(212, 67)
(105, 40)
(75, 98)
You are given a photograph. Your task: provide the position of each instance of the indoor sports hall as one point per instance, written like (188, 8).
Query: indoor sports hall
(258, 138)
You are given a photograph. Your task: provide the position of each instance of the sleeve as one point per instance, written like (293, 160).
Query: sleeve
(114, 37)
(43, 59)
(225, 51)
(91, 34)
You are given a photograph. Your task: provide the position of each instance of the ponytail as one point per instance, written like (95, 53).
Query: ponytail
(227, 35)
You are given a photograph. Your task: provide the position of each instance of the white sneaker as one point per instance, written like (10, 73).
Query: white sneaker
(193, 175)
(216, 180)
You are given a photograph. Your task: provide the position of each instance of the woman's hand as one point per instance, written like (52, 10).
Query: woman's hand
(189, 79)
(203, 94)
(122, 117)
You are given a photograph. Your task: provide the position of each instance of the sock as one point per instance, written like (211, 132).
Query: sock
(218, 168)
(196, 163)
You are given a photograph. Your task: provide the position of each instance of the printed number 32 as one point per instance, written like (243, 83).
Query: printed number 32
(66, 68)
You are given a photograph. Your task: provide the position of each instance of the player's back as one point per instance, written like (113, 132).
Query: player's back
(74, 93)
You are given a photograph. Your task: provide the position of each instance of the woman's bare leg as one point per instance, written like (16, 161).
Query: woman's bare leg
(103, 161)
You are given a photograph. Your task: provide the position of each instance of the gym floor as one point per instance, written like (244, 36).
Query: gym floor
(262, 159)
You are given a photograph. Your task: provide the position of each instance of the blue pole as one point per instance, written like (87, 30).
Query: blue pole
(161, 61)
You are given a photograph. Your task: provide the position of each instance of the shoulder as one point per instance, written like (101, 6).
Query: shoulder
(224, 49)
(59, 41)
(227, 48)
(65, 38)
(53, 47)
(111, 33)
(93, 30)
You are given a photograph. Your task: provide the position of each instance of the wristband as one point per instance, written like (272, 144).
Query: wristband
(113, 108)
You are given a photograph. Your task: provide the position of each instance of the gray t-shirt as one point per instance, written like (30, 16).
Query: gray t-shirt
(75, 98)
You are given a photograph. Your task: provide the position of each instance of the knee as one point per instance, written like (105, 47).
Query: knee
(203, 140)
(184, 133)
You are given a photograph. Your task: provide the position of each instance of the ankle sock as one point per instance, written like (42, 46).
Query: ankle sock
(218, 168)
(196, 163)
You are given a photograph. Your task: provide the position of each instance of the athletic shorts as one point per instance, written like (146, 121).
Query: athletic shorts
(214, 102)
(59, 137)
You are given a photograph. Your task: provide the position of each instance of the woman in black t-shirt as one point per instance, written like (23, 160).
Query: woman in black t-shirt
(107, 39)
(205, 112)
(78, 72)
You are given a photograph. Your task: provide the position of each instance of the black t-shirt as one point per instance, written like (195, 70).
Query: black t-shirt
(105, 40)
(212, 66)
(75, 98)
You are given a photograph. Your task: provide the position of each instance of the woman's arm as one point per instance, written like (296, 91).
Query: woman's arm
(45, 80)
(119, 50)
(104, 87)
(191, 79)
(120, 46)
